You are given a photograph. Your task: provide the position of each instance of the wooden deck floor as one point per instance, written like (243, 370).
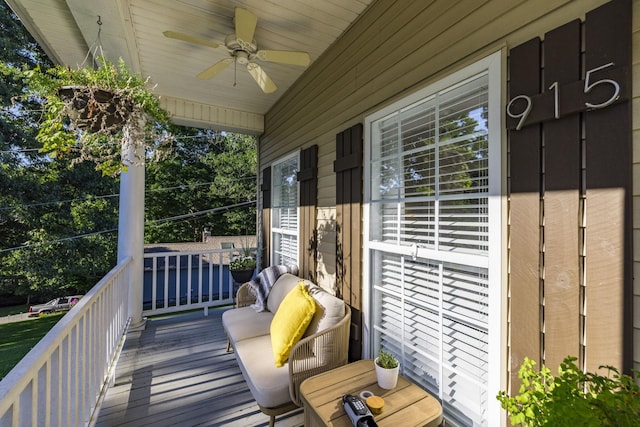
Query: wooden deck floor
(177, 373)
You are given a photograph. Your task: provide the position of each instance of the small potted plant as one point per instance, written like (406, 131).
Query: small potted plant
(387, 370)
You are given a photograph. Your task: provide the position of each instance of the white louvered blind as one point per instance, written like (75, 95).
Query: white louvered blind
(284, 226)
(428, 244)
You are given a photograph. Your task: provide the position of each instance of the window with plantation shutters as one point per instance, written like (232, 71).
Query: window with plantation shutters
(433, 243)
(284, 208)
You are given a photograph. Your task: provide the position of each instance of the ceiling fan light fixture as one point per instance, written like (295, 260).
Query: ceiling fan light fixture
(242, 57)
(242, 49)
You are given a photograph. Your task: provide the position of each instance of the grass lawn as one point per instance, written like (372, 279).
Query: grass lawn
(14, 309)
(16, 339)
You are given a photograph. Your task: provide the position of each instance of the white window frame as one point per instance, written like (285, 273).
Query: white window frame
(496, 260)
(277, 230)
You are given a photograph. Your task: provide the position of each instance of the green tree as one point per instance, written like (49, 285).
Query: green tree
(58, 223)
(214, 170)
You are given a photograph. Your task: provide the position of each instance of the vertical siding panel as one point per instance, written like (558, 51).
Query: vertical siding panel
(356, 215)
(348, 168)
(524, 218)
(561, 204)
(340, 200)
(266, 217)
(636, 194)
(308, 178)
(608, 202)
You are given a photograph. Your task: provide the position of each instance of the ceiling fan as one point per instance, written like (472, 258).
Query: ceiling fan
(243, 49)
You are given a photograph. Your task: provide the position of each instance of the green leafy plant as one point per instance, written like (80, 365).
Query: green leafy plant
(245, 260)
(387, 360)
(96, 112)
(242, 262)
(573, 397)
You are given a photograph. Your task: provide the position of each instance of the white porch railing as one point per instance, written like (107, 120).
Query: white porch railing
(60, 381)
(179, 281)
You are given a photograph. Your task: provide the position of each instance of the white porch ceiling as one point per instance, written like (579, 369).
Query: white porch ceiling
(132, 30)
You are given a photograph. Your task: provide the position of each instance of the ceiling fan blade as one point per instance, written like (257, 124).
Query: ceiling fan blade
(264, 81)
(245, 24)
(190, 39)
(284, 57)
(215, 69)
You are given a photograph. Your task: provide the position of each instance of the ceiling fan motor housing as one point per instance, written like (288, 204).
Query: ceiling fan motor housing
(234, 44)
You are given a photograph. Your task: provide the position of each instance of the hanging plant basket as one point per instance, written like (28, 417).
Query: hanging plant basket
(98, 114)
(94, 109)
(242, 276)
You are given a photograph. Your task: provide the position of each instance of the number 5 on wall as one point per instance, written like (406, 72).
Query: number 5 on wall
(589, 86)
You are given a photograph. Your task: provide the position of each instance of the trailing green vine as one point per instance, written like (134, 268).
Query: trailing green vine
(573, 397)
(96, 112)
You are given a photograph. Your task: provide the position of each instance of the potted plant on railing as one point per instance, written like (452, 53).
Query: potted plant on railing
(242, 268)
(99, 113)
(387, 370)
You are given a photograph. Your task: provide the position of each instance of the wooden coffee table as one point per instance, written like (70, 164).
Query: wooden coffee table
(405, 405)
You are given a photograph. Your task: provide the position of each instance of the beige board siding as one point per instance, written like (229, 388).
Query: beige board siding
(636, 180)
(373, 65)
(394, 50)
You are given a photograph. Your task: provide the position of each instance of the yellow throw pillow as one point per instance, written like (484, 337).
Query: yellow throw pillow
(290, 321)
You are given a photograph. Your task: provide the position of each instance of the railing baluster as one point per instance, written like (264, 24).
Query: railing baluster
(219, 283)
(166, 282)
(154, 282)
(34, 400)
(58, 382)
(221, 277)
(210, 278)
(47, 392)
(199, 279)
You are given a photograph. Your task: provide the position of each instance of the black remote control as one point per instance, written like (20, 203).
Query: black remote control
(357, 411)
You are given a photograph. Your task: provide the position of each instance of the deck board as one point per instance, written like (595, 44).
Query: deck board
(178, 372)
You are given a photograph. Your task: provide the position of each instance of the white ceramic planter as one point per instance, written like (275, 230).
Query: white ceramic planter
(387, 378)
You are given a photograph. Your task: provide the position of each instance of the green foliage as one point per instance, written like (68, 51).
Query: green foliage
(45, 205)
(242, 262)
(70, 208)
(387, 360)
(78, 122)
(573, 397)
(214, 170)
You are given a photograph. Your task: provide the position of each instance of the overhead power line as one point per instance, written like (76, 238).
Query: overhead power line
(81, 199)
(96, 233)
(194, 214)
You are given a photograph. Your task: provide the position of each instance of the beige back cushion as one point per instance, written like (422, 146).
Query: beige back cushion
(329, 310)
(280, 289)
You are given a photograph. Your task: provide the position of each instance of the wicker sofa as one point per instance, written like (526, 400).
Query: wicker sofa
(324, 345)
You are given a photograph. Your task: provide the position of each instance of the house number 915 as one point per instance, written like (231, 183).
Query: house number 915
(589, 84)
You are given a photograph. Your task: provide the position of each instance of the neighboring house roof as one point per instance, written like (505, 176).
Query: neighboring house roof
(213, 242)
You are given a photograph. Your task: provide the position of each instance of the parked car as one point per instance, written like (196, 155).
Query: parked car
(56, 304)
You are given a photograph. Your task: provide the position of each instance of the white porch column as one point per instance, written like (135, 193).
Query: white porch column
(131, 222)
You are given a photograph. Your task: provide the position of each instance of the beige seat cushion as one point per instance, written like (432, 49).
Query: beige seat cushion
(245, 322)
(269, 385)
